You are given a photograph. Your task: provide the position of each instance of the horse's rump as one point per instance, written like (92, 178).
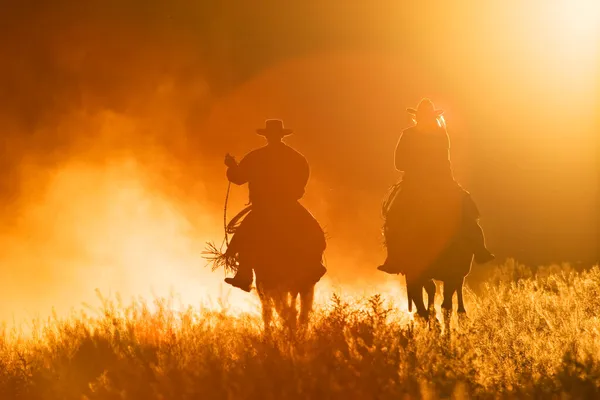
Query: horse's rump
(421, 222)
(283, 244)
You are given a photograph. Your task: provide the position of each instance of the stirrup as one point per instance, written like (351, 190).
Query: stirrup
(483, 258)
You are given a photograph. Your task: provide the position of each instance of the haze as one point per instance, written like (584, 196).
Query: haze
(115, 117)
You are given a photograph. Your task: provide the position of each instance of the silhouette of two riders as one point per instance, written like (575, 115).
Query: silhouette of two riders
(277, 223)
(428, 208)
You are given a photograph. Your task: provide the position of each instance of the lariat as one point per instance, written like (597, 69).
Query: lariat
(226, 241)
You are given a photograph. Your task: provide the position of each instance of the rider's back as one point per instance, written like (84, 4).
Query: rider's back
(423, 155)
(275, 174)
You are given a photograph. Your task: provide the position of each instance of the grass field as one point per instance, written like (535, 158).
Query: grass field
(529, 334)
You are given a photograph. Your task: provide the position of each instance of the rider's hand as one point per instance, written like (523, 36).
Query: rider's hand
(230, 161)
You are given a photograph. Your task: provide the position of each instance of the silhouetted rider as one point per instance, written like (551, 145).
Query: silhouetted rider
(423, 154)
(275, 173)
(277, 176)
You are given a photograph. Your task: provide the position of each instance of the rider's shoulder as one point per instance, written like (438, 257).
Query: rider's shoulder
(253, 156)
(290, 149)
(295, 154)
(257, 152)
(286, 149)
(269, 150)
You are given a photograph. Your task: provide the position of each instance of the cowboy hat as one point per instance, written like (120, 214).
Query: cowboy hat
(425, 108)
(274, 127)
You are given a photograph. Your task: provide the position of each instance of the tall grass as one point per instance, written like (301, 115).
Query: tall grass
(531, 335)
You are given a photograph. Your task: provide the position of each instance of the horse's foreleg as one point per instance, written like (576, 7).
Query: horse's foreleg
(307, 297)
(462, 312)
(459, 292)
(408, 296)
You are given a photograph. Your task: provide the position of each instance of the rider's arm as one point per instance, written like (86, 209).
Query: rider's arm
(401, 155)
(298, 173)
(235, 175)
(238, 173)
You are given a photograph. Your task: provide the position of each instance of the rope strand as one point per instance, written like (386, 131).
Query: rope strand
(225, 214)
(226, 239)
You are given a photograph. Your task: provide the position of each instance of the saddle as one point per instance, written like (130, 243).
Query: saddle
(283, 243)
(420, 223)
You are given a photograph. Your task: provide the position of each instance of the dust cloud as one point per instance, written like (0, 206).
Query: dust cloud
(114, 126)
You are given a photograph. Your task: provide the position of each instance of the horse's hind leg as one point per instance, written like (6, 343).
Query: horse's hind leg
(267, 308)
(291, 310)
(281, 300)
(293, 299)
(430, 290)
(307, 297)
(414, 291)
(449, 289)
(409, 297)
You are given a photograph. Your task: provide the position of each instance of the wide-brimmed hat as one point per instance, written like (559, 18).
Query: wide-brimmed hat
(274, 127)
(425, 109)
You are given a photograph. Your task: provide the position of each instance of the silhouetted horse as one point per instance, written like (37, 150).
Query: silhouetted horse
(427, 210)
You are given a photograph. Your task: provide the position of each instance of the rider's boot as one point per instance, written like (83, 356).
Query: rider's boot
(313, 272)
(243, 278)
(389, 266)
(473, 231)
(483, 256)
(477, 239)
(320, 270)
